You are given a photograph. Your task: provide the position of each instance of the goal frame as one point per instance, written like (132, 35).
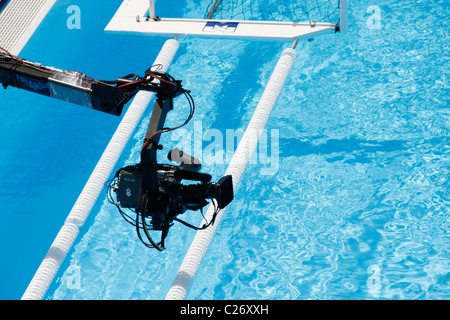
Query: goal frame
(139, 16)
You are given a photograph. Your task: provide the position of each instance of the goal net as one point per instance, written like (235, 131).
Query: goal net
(275, 10)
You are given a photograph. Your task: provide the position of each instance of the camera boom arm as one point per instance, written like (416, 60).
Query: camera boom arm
(76, 87)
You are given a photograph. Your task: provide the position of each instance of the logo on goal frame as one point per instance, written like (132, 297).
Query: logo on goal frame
(214, 26)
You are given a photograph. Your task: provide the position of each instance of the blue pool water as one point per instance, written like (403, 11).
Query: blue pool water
(357, 208)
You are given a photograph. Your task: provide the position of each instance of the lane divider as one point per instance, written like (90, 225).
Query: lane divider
(237, 166)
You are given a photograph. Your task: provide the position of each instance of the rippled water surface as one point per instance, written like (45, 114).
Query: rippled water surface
(356, 202)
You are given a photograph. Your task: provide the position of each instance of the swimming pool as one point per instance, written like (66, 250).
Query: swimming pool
(356, 208)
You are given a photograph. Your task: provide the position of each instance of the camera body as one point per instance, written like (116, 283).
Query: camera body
(171, 197)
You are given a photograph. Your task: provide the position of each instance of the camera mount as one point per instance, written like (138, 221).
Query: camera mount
(154, 191)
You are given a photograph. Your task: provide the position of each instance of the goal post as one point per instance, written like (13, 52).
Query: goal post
(342, 15)
(151, 10)
(244, 19)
